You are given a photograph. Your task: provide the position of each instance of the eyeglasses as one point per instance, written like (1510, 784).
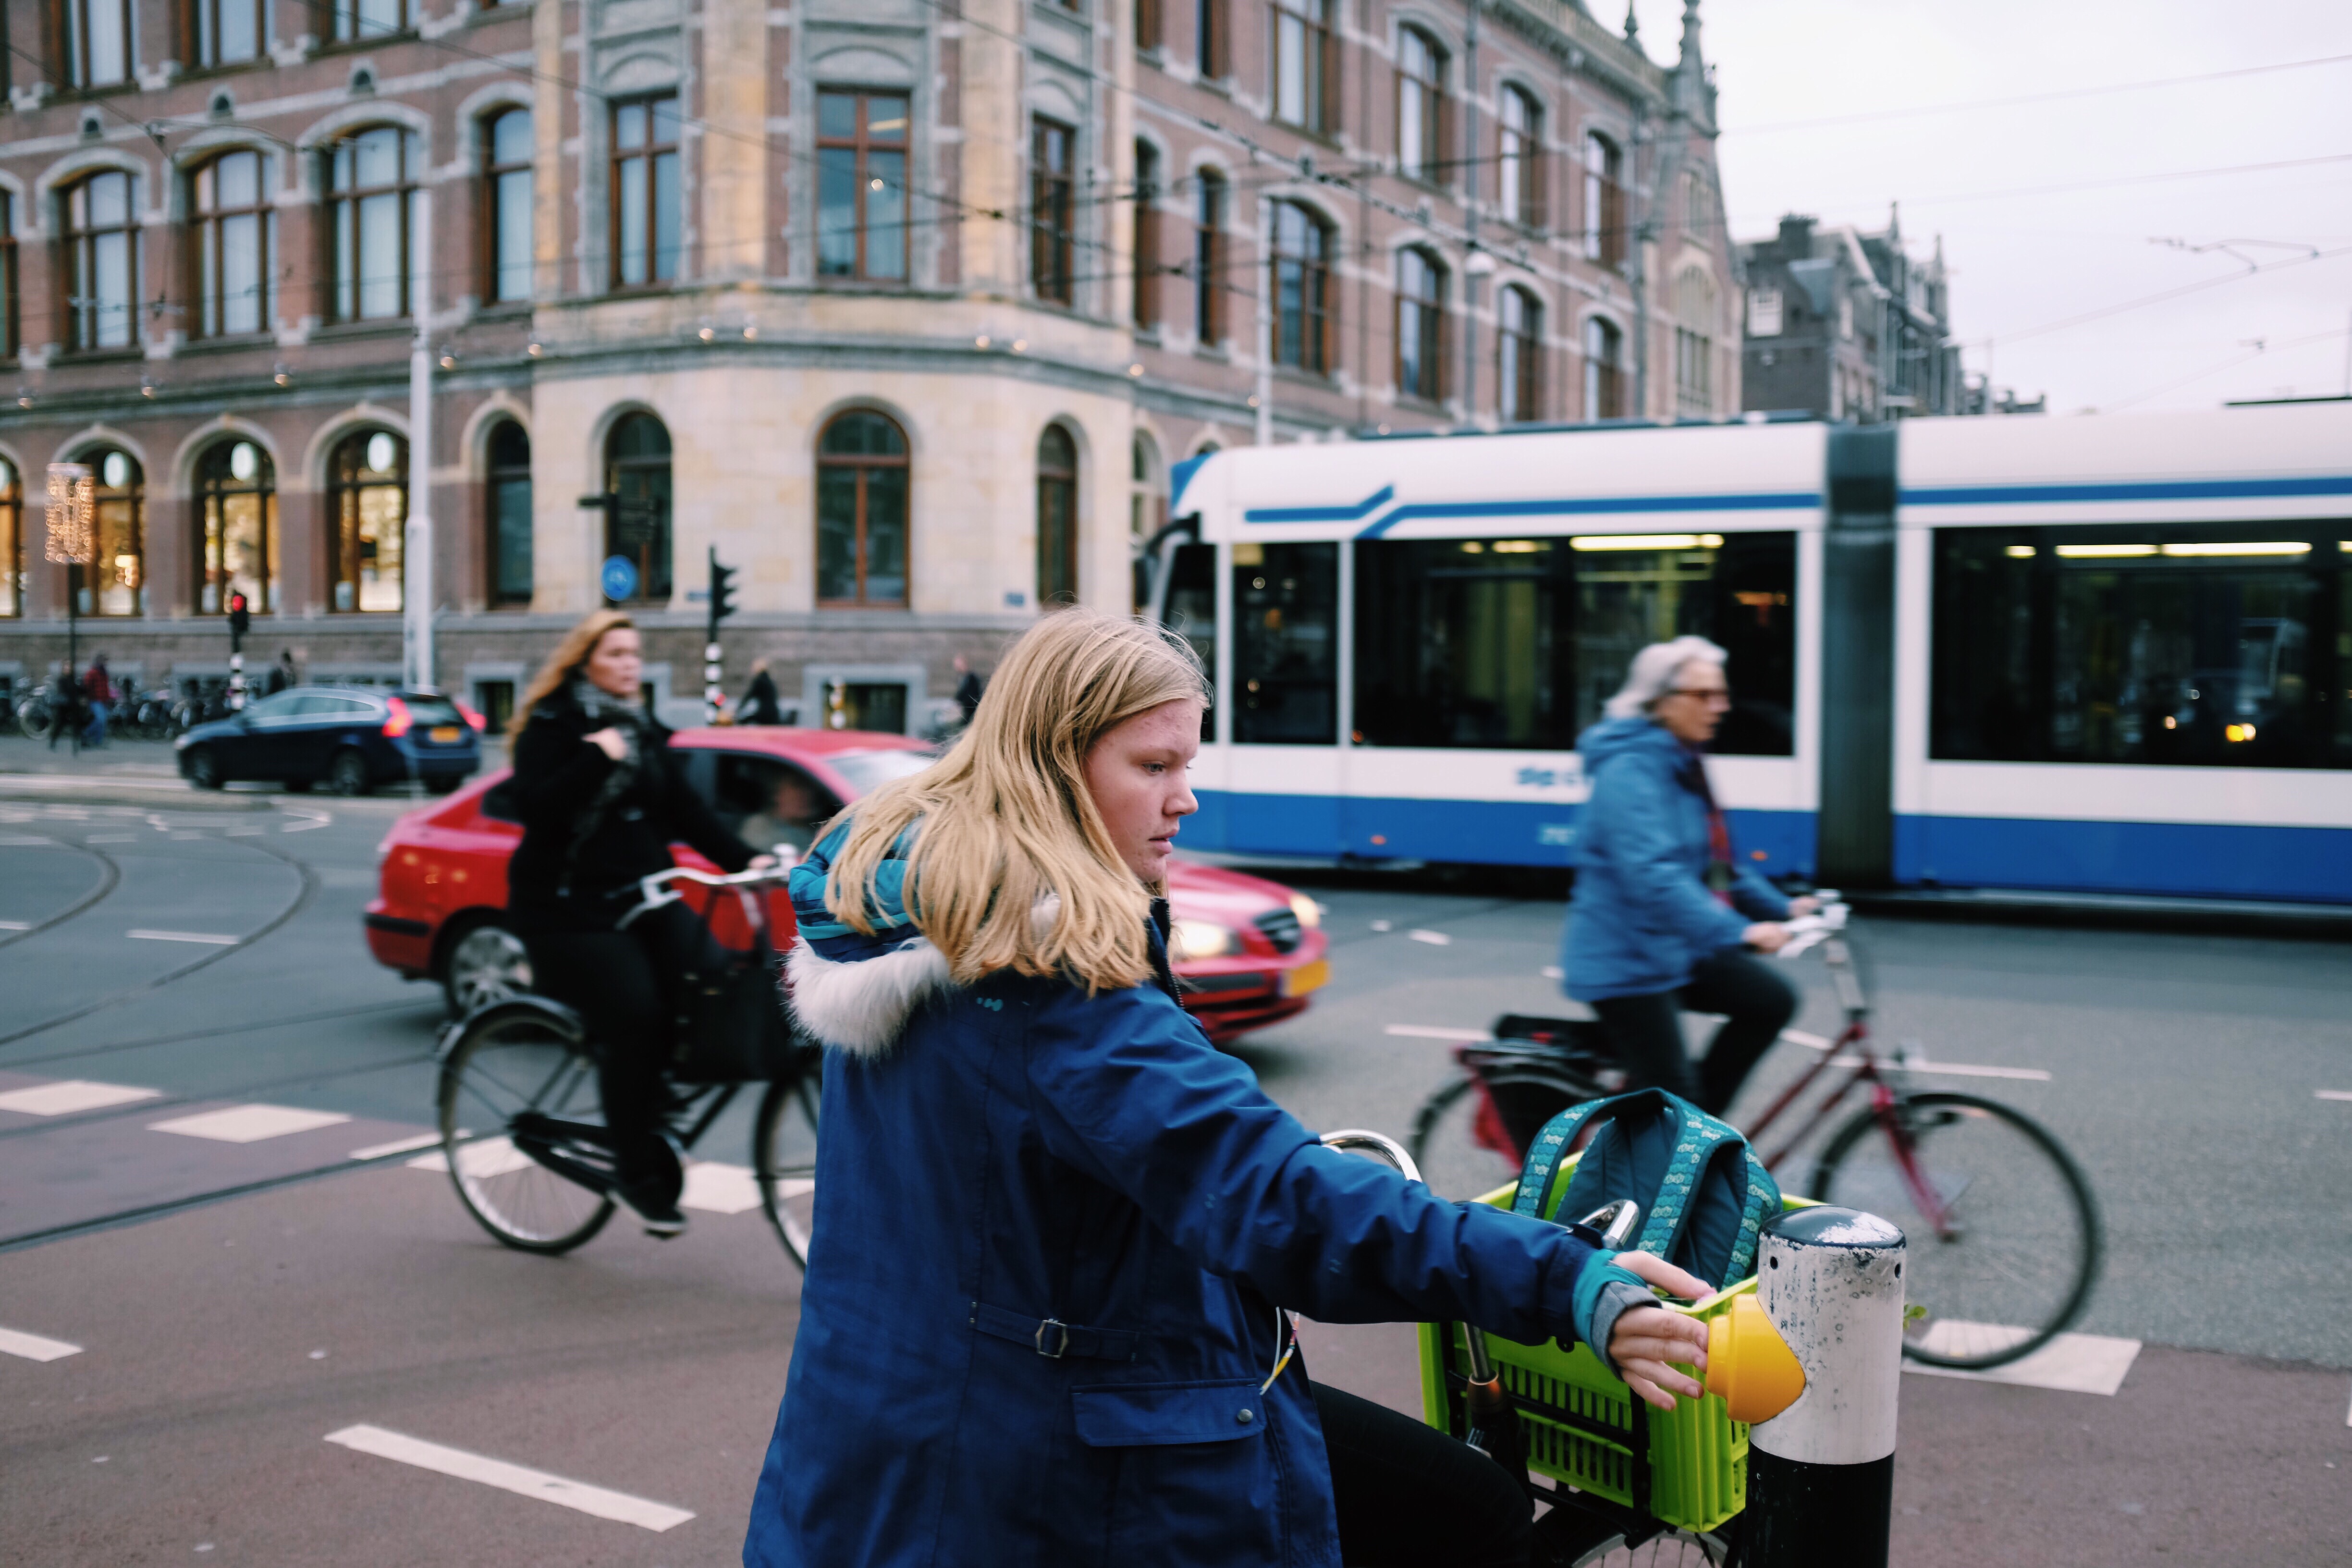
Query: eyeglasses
(1713, 696)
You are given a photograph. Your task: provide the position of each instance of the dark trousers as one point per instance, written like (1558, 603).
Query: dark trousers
(622, 982)
(1408, 1496)
(1647, 1032)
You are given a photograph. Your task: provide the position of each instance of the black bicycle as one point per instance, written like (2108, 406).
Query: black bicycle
(523, 1127)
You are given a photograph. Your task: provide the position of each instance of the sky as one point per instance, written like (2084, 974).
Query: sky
(2024, 265)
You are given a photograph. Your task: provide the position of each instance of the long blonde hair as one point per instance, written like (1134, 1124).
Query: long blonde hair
(1004, 821)
(563, 665)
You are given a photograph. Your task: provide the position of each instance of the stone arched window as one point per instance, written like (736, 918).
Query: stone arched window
(1604, 370)
(101, 245)
(638, 514)
(1695, 313)
(506, 511)
(12, 540)
(233, 234)
(114, 582)
(375, 221)
(1519, 166)
(1302, 288)
(1604, 201)
(236, 527)
(1421, 129)
(1420, 325)
(1519, 349)
(1058, 518)
(367, 512)
(862, 489)
(507, 154)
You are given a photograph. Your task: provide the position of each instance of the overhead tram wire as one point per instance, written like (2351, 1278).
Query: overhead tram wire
(2232, 364)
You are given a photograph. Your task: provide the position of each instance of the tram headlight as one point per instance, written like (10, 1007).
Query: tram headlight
(1203, 939)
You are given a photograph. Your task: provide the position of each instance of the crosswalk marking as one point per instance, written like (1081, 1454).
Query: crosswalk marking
(2332, 1093)
(67, 1096)
(249, 1123)
(490, 1157)
(717, 1188)
(211, 938)
(2070, 1363)
(16, 925)
(1436, 1032)
(397, 1146)
(34, 1347)
(517, 1478)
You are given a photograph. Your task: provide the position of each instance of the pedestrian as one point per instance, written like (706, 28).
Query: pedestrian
(969, 687)
(601, 798)
(759, 705)
(281, 674)
(66, 716)
(1052, 1223)
(1665, 915)
(97, 693)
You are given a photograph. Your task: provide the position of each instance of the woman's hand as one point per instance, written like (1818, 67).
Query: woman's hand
(764, 863)
(1648, 1340)
(611, 742)
(1766, 936)
(1800, 907)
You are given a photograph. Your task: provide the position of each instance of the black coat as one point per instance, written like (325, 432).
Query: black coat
(577, 862)
(759, 705)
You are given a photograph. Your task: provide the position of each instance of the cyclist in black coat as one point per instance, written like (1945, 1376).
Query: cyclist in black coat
(602, 798)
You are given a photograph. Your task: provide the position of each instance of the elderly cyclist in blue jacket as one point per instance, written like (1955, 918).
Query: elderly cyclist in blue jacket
(1665, 915)
(1055, 1228)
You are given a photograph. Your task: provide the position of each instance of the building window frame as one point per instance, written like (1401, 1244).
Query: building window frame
(211, 24)
(1057, 516)
(11, 319)
(355, 481)
(1604, 370)
(1053, 174)
(1604, 201)
(119, 559)
(865, 470)
(642, 190)
(1209, 242)
(640, 476)
(1518, 354)
(219, 489)
(506, 465)
(1150, 25)
(366, 21)
(1305, 68)
(12, 541)
(507, 174)
(1212, 30)
(1423, 111)
(1421, 282)
(102, 240)
(218, 231)
(1302, 295)
(861, 161)
(90, 49)
(1147, 267)
(1695, 323)
(358, 212)
(1519, 160)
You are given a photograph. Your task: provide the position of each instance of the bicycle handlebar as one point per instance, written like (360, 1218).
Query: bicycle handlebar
(655, 888)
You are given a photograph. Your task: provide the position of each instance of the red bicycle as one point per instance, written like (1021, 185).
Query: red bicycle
(2005, 1234)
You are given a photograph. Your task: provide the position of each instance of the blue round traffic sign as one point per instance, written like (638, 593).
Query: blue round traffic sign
(619, 578)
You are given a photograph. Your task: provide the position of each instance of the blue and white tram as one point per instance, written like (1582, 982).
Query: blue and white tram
(2092, 653)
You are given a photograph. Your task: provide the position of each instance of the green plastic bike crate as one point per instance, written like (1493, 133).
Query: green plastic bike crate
(1587, 1430)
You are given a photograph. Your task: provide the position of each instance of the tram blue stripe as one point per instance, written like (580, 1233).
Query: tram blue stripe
(1364, 507)
(2154, 489)
(2192, 859)
(1594, 506)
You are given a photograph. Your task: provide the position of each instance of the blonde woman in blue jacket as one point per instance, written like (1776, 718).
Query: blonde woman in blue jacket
(1666, 916)
(1052, 1223)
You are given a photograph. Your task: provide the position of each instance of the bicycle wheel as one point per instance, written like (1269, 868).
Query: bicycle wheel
(2018, 1249)
(784, 1151)
(1461, 1158)
(507, 1068)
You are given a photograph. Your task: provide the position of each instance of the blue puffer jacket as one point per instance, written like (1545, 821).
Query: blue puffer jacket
(1050, 1233)
(1643, 914)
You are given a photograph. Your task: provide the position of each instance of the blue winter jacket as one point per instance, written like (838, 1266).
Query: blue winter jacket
(1643, 914)
(1050, 1233)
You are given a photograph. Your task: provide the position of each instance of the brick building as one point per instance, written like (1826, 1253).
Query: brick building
(1849, 325)
(903, 307)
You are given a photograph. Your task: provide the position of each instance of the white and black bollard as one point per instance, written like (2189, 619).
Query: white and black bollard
(1820, 1473)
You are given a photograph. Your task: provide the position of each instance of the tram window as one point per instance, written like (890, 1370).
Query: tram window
(1515, 644)
(1192, 612)
(2174, 646)
(1286, 644)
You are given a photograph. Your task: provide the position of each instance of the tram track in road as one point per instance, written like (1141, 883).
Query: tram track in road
(110, 878)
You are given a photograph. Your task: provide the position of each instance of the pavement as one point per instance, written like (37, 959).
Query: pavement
(195, 1047)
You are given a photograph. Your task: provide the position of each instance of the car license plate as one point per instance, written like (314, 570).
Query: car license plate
(1306, 977)
(445, 734)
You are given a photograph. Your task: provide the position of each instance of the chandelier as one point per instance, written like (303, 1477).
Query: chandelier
(73, 513)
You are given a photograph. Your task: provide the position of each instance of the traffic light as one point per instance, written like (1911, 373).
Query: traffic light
(240, 617)
(723, 590)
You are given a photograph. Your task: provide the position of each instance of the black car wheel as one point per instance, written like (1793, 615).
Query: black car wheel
(203, 768)
(487, 962)
(348, 773)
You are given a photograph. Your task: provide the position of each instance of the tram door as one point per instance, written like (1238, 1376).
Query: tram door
(1285, 764)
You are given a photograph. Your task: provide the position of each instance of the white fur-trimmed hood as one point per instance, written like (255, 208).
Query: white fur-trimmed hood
(861, 1005)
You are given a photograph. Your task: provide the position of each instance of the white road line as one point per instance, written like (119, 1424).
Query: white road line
(34, 1347)
(111, 839)
(1434, 1032)
(27, 840)
(718, 1188)
(490, 1157)
(515, 1479)
(68, 1096)
(2071, 1363)
(2332, 1094)
(16, 925)
(211, 939)
(249, 1123)
(1811, 1042)
(1434, 938)
(397, 1146)
(244, 833)
(306, 825)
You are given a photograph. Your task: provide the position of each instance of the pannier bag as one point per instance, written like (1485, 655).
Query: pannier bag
(1703, 1192)
(733, 1026)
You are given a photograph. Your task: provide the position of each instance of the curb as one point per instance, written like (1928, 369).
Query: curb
(37, 789)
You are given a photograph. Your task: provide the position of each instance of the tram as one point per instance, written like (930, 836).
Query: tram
(2107, 654)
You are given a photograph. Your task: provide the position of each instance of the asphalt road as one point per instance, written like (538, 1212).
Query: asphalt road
(202, 1280)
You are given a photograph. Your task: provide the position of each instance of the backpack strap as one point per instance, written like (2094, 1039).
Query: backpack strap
(1694, 1147)
(1763, 1202)
(1546, 1152)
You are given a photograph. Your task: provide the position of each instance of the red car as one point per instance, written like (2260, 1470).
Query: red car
(1249, 951)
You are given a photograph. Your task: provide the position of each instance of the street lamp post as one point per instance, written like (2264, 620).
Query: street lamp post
(72, 517)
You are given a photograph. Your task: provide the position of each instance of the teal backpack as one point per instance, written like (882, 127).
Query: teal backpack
(1703, 1193)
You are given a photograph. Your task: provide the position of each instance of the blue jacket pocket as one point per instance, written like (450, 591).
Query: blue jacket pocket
(1145, 1415)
